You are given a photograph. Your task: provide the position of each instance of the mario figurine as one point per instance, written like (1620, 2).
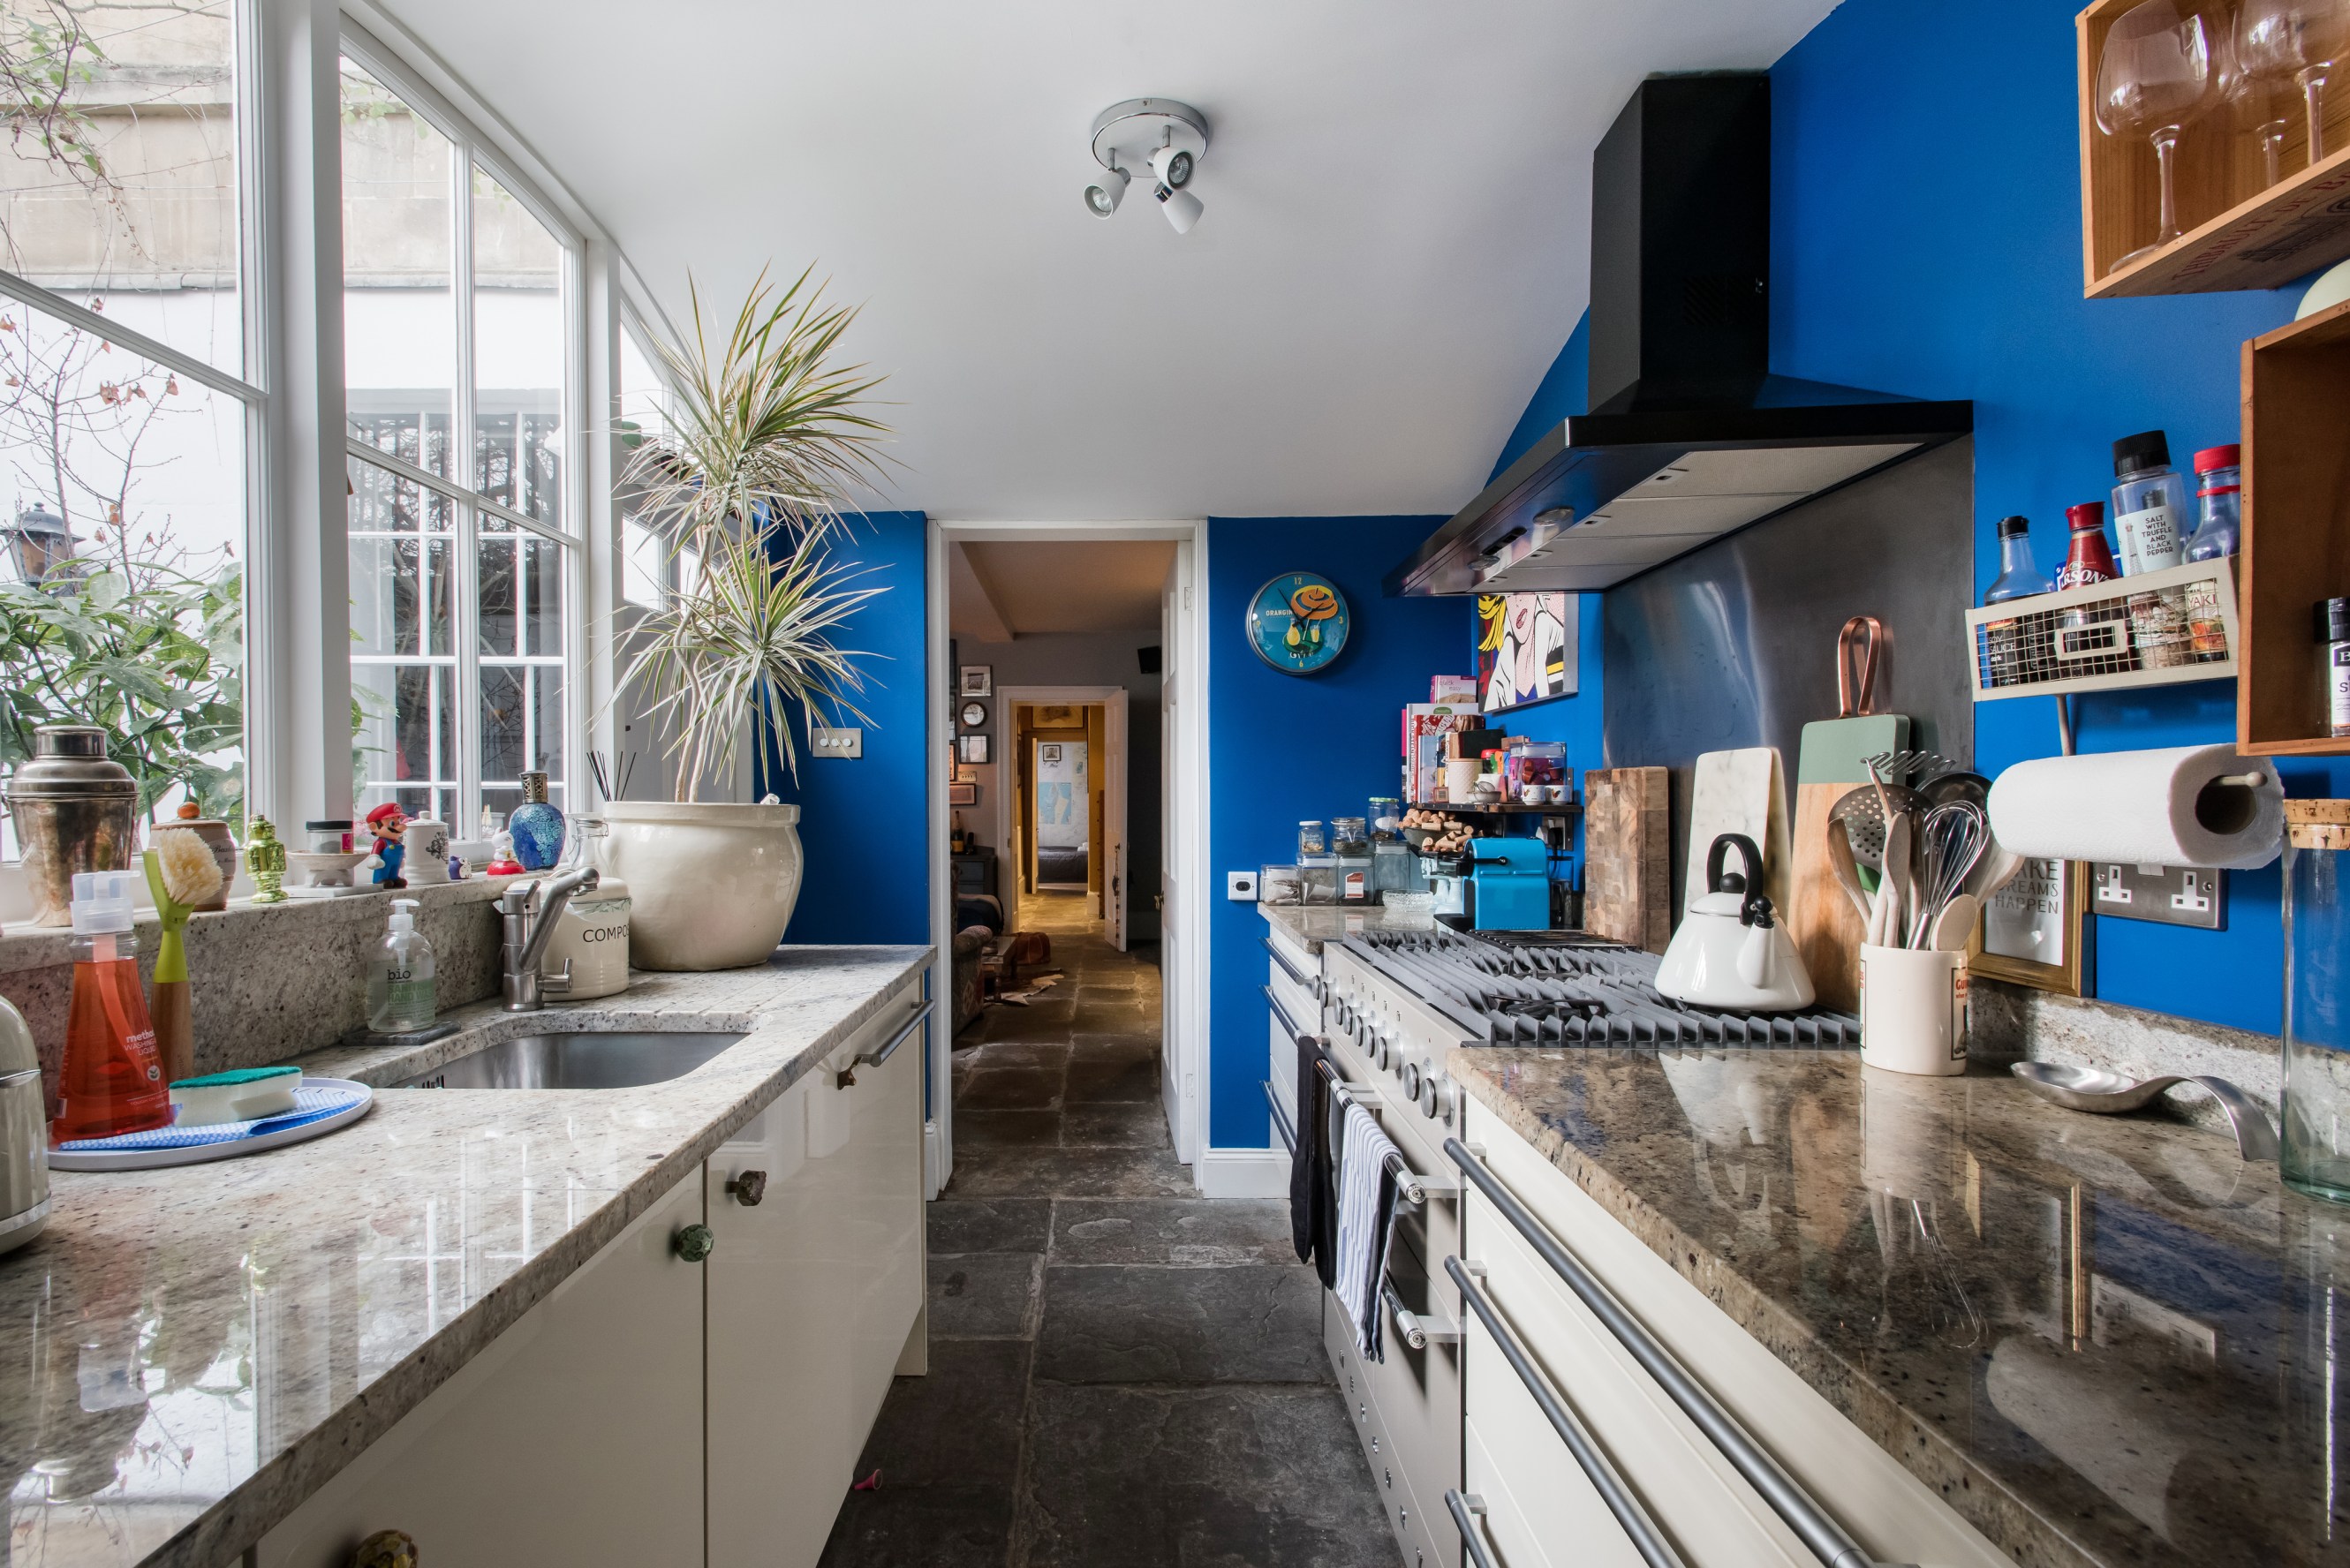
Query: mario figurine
(390, 825)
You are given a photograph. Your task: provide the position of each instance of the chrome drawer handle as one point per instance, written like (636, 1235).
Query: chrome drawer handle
(1280, 1117)
(847, 1078)
(1471, 1537)
(1282, 959)
(1822, 1535)
(1281, 1013)
(1638, 1528)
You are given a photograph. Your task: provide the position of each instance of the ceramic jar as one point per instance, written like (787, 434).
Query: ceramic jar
(711, 886)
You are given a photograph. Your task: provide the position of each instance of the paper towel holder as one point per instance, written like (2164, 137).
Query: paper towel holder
(2228, 803)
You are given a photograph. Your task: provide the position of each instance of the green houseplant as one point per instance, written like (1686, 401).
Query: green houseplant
(765, 437)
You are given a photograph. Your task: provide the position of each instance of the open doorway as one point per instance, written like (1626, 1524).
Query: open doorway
(1060, 810)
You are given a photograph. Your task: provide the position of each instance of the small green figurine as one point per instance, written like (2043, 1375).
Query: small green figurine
(265, 859)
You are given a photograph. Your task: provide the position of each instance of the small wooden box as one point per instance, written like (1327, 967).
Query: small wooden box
(2296, 548)
(2236, 230)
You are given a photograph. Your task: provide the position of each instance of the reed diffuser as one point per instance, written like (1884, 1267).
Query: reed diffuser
(182, 875)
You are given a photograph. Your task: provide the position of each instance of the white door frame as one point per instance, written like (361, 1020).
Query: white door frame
(1185, 925)
(1112, 702)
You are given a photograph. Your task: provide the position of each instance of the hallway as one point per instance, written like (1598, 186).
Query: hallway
(1123, 1374)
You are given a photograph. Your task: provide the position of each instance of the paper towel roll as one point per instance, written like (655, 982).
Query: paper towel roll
(2165, 807)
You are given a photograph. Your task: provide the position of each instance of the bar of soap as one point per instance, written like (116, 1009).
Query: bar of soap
(244, 1095)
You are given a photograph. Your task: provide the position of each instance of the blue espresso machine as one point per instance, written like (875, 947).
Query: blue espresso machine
(1509, 885)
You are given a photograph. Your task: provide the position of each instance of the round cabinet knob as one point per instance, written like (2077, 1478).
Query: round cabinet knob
(385, 1549)
(1411, 1080)
(749, 1187)
(693, 1243)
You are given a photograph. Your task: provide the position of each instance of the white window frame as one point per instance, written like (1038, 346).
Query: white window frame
(470, 151)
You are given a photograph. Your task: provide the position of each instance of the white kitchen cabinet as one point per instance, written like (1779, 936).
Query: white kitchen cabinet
(814, 1291)
(575, 1439)
(1539, 1504)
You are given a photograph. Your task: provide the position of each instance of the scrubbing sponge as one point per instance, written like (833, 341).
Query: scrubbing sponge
(244, 1095)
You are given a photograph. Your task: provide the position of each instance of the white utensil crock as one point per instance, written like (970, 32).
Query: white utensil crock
(1913, 1010)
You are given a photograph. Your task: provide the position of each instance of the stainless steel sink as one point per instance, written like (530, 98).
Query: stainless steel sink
(603, 1059)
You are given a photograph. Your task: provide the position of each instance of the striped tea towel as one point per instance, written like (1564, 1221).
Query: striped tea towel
(1366, 1201)
(309, 1105)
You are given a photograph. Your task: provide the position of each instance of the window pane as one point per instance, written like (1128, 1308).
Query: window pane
(400, 348)
(518, 341)
(403, 549)
(119, 178)
(641, 564)
(408, 734)
(121, 549)
(522, 730)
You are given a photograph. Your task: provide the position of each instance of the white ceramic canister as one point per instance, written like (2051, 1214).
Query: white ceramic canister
(593, 934)
(427, 861)
(1460, 779)
(1913, 1010)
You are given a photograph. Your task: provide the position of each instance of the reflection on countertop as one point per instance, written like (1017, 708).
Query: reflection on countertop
(2104, 1340)
(1311, 925)
(200, 1348)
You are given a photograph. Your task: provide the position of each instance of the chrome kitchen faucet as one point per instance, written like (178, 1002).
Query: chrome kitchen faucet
(530, 911)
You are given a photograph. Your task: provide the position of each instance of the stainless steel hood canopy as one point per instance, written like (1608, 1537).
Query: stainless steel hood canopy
(1690, 438)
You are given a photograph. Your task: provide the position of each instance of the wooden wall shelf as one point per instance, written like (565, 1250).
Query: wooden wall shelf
(2296, 548)
(2239, 233)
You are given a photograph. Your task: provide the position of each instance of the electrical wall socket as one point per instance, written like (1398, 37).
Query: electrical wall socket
(831, 742)
(1241, 887)
(2168, 895)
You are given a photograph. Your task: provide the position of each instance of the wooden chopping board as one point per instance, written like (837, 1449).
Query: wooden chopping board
(1627, 886)
(1821, 919)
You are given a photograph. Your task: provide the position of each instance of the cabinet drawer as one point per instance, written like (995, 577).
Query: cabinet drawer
(1894, 1516)
(1419, 1537)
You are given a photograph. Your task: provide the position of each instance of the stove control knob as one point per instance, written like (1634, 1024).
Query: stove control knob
(1381, 1048)
(1436, 1099)
(1410, 1080)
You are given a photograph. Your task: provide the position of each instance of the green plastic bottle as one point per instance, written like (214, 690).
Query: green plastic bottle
(400, 976)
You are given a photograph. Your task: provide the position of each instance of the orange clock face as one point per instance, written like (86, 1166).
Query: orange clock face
(1298, 622)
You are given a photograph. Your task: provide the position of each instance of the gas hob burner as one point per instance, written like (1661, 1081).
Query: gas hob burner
(1581, 991)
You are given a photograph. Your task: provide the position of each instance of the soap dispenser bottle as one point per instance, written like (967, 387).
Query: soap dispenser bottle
(400, 976)
(112, 1079)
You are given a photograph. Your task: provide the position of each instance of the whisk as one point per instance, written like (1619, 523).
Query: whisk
(1954, 837)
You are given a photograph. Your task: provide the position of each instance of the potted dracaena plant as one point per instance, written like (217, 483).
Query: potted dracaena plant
(765, 439)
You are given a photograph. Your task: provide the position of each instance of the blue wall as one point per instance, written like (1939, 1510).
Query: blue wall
(1926, 238)
(863, 822)
(1286, 747)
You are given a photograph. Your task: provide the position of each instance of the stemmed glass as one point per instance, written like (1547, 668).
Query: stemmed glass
(2159, 72)
(2292, 42)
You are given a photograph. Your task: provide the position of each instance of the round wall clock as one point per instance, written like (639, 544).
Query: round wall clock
(974, 714)
(1298, 622)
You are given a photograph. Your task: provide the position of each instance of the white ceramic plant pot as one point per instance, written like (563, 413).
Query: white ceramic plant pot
(713, 886)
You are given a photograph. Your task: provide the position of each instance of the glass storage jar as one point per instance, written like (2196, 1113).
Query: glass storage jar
(1311, 839)
(1386, 819)
(2315, 1101)
(1350, 836)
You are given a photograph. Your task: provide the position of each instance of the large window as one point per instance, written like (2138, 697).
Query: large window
(464, 569)
(125, 409)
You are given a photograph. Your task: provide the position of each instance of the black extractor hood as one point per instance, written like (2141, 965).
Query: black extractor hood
(1689, 436)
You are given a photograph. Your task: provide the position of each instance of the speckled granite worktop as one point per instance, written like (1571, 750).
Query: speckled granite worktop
(194, 1351)
(1311, 925)
(2105, 1339)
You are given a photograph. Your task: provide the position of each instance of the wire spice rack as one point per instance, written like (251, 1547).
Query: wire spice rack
(2153, 629)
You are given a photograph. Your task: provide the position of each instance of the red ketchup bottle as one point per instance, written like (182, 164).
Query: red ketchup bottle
(112, 1079)
(2089, 560)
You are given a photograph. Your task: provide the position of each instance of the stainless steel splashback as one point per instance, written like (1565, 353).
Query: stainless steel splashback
(1735, 644)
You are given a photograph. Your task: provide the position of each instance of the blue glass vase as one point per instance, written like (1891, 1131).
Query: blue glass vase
(537, 826)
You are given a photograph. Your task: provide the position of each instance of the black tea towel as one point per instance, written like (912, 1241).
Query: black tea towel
(1312, 1194)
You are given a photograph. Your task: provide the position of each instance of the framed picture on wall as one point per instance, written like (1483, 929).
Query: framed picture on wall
(978, 681)
(962, 795)
(2033, 933)
(1526, 646)
(970, 748)
(1049, 753)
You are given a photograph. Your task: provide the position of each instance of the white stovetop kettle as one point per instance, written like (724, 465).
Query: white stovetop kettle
(1731, 952)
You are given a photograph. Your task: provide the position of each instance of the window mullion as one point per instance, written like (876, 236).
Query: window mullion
(463, 466)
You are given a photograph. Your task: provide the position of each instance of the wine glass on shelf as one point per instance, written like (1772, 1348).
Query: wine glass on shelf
(2292, 43)
(2157, 73)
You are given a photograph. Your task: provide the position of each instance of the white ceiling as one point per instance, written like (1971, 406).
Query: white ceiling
(999, 590)
(1395, 244)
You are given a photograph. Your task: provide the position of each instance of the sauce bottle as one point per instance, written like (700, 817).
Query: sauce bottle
(2088, 560)
(112, 1079)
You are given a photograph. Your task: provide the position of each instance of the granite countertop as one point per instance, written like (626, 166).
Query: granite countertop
(205, 1347)
(2105, 1339)
(1311, 925)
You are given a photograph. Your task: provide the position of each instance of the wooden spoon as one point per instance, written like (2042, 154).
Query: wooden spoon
(1893, 893)
(1848, 870)
(1955, 924)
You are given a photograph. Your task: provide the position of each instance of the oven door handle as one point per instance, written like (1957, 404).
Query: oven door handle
(1274, 948)
(1820, 1534)
(1471, 1537)
(1280, 1117)
(1411, 1186)
(1631, 1517)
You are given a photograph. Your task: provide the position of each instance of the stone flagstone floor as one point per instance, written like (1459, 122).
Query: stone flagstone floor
(1123, 1374)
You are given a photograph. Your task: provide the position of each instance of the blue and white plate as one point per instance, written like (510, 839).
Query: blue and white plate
(320, 1107)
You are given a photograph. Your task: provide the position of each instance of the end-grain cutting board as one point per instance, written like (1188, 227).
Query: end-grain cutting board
(1821, 919)
(1628, 832)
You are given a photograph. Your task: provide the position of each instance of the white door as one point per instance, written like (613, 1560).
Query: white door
(1173, 955)
(1113, 788)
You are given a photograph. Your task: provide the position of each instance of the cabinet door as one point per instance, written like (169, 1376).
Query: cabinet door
(881, 1183)
(780, 1441)
(576, 1437)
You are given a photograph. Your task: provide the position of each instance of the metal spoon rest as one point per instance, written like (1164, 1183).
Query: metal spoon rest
(2102, 1093)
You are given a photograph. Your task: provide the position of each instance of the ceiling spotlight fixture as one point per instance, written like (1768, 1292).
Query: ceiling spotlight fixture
(1107, 190)
(1178, 135)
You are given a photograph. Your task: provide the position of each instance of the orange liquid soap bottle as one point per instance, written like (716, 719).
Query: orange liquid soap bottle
(112, 1079)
